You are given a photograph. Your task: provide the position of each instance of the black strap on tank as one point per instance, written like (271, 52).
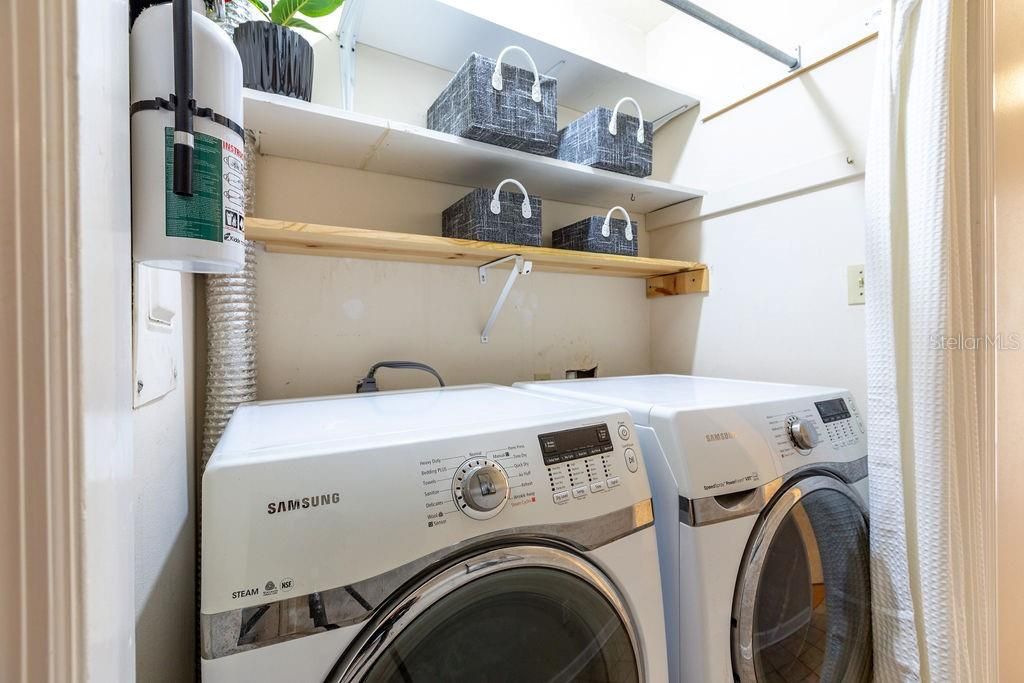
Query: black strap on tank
(159, 103)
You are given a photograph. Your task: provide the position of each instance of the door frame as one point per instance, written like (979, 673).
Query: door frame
(65, 343)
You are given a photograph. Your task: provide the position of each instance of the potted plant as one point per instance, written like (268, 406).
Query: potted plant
(275, 58)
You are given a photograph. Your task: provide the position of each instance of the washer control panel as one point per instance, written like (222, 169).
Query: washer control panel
(816, 429)
(583, 462)
(840, 429)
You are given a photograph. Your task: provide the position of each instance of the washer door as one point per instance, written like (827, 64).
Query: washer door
(516, 614)
(802, 610)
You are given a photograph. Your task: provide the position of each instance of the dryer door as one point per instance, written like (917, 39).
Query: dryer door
(526, 613)
(802, 610)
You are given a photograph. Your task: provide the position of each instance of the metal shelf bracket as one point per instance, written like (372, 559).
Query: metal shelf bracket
(521, 267)
(349, 21)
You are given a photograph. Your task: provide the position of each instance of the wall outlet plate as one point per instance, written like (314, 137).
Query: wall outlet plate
(855, 285)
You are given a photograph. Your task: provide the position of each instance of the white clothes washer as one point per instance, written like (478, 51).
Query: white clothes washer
(462, 534)
(760, 492)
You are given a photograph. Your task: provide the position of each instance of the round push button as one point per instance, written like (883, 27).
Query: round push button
(632, 462)
(624, 431)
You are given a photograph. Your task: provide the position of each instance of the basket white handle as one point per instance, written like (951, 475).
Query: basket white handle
(613, 126)
(497, 83)
(606, 229)
(496, 203)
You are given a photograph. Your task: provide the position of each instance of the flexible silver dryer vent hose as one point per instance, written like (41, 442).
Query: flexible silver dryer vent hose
(230, 327)
(230, 354)
(231, 331)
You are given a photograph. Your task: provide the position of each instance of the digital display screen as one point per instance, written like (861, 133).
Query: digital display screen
(559, 447)
(832, 410)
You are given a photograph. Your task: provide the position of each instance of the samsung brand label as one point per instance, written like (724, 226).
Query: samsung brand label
(719, 436)
(278, 506)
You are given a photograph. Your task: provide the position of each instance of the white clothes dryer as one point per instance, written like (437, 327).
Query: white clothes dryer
(760, 492)
(462, 534)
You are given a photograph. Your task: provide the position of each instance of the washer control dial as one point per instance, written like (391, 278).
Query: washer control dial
(480, 488)
(803, 433)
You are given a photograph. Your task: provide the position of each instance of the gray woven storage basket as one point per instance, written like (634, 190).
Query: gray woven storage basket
(473, 217)
(518, 114)
(589, 235)
(589, 141)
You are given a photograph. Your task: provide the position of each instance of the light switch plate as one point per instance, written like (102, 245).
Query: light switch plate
(156, 330)
(855, 285)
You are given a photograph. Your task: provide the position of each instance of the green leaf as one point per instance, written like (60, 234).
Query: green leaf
(285, 10)
(295, 22)
(320, 8)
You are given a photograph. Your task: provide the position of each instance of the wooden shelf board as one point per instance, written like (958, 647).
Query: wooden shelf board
(324, 240)
(314, 132)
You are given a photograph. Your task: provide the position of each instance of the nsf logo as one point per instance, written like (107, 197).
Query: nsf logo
(271, 588)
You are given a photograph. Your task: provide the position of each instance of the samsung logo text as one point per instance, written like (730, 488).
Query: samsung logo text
(275, 507)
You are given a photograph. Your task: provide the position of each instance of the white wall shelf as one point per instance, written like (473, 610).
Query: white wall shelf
(311, 132)
(435, 33)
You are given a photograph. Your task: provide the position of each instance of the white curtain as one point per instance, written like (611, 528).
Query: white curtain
(929, 582)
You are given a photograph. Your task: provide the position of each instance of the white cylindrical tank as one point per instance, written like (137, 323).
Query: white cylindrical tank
(203, 233)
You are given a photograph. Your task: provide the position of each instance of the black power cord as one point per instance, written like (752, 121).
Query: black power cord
(368, 384)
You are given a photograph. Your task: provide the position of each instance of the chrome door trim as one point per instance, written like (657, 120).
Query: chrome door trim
(754, 557)
(374, 640)
(221, 634)
(714, 509)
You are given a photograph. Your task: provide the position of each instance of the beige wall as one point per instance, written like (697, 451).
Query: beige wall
(777, 310)
(1009, 219)
(694, 58)
(324, 321)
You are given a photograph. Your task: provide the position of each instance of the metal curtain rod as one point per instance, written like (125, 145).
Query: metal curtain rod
(714, 21)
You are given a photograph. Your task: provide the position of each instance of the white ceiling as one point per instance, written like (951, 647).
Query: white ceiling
(643, 14)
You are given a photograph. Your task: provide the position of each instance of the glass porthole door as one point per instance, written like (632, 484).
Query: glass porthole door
(533, 614)
(802, 611)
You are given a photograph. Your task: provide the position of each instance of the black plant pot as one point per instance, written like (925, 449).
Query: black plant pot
(275, 59)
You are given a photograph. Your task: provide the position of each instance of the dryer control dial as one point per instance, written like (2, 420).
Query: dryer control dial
(803, 432)
(480, 488)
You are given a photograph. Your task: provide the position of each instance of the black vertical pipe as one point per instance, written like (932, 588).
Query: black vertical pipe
(184, 144)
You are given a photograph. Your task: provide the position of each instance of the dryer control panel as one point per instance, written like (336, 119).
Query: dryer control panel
(583, 462)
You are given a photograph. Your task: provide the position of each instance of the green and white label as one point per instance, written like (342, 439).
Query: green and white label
(216, 210)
